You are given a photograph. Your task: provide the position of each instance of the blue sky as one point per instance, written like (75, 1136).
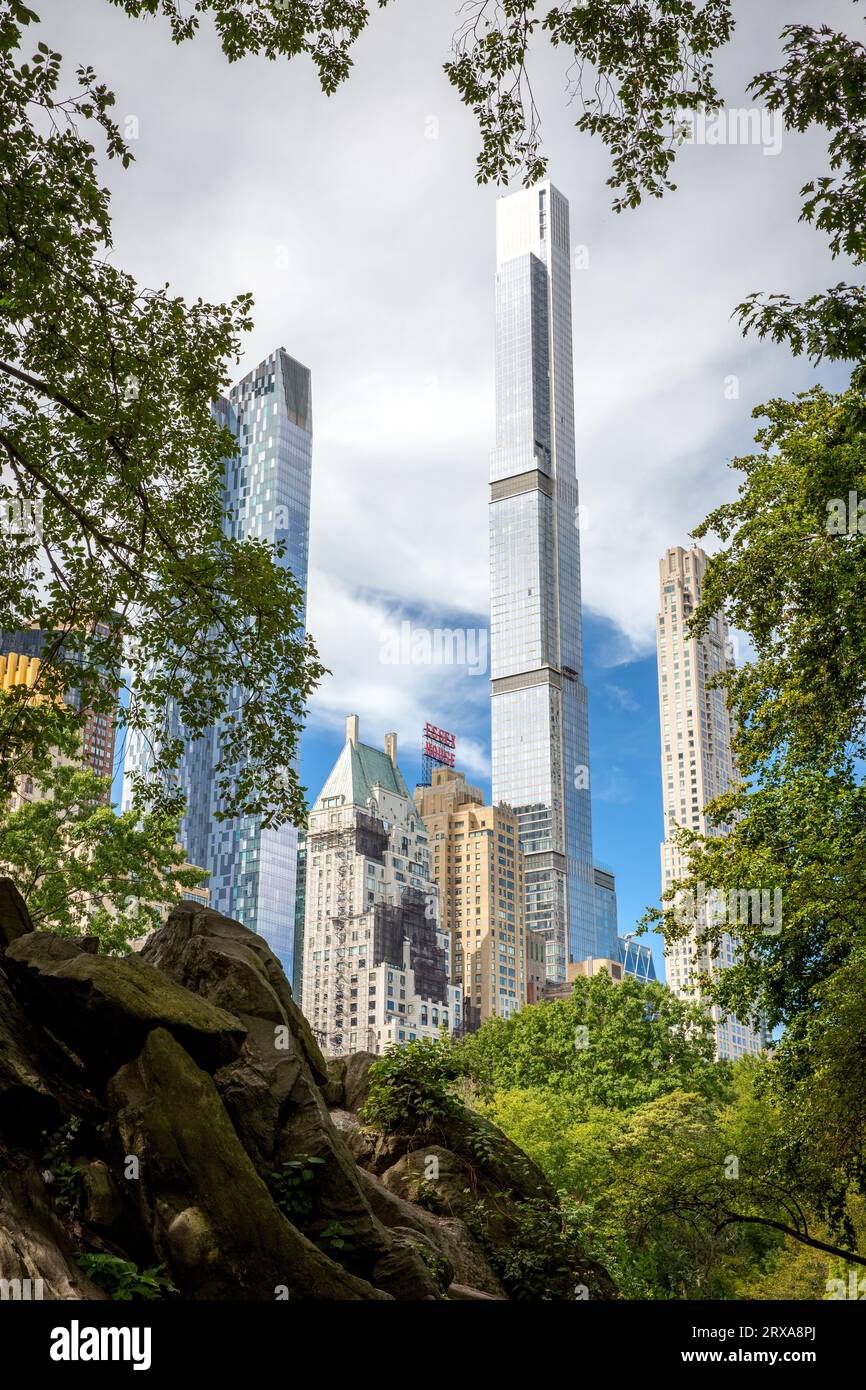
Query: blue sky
(358, 226)
(624, 740)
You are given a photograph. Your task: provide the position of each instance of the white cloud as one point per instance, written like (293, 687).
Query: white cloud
(370, 252)
(352, 633)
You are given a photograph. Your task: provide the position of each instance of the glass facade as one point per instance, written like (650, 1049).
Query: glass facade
(540, 733)
(267, 496)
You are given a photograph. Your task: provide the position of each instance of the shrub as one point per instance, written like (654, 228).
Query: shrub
(292, 1183)
(124, 1281)
(412, 1085)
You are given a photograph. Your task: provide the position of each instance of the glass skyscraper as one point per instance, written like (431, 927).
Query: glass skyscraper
(267, 496)
(540, 736)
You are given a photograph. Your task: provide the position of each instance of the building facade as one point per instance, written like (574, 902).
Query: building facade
(477, 865)
(540, 738)
(697, 761)
(634, 957)
(21, 657)
(300, 908)
(267, 496)
(377, 969)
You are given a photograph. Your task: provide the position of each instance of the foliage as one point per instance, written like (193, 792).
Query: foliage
(545, 1256)
(429, 1197)
(683, 1196)
(609, 1044)
(335, 1236)
(566, 1141)
(124, 1281)
(106, 422)
(822, 83)
(796, 821)
(437, 1264)
(292, 1185)
(59, 1172)
(412, 1085)
(651, 61)
(80, 866)
(648, 61)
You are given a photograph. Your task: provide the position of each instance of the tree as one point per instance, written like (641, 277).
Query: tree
(822, 83)
(106, 388)
(651, 62)
(612, 1045)
(795, 582)
(106, 425)
(81, 867)
(636, 69)
(682, 1196)
(566, 1140)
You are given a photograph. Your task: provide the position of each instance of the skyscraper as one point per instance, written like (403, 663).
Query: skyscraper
(540, 737)
(267, 496)
(477, 863)
(376, 958)
(697, 762)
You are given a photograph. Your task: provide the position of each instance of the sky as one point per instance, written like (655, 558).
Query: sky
(357, 224)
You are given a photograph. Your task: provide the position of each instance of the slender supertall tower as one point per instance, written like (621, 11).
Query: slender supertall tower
(540, 737)
(267, 496)
(697, 761)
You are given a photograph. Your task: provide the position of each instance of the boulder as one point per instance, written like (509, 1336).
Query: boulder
(448, 1235)
(14, 917)
(348, 1082)
(412, 1173)
(39, 1085)
(461, 1293)
(271, 1092)
(103, 1007)
(356, 1079)
(33, 1242)
(102, 1205)
(210, 1216)
(198, 947)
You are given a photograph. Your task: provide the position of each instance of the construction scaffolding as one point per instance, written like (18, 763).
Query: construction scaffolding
(393, 925)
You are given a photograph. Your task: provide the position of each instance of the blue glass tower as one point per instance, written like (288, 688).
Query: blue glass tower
(267, 496)
(540, 734)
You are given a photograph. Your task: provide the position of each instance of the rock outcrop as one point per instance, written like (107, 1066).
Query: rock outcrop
(170, 1115)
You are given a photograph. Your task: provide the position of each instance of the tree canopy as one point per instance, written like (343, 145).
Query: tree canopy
(82, 867)
(107, 428)
(614, 1045)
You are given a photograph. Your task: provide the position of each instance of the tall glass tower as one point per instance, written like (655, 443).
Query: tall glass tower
(540, 735)
(267, 495)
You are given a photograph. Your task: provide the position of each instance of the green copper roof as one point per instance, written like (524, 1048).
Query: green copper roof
(357, 770)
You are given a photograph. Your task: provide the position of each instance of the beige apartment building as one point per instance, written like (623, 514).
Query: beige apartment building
(478, 866)
(376, 969)
(21, 670)
(697, 762)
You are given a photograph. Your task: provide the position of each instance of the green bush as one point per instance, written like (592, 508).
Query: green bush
(292, 1186)
(124, 1281)
(59, 1172)
(412, 1085)
(545, 1257)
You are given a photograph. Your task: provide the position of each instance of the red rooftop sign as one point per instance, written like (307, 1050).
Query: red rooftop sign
(439, 745)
